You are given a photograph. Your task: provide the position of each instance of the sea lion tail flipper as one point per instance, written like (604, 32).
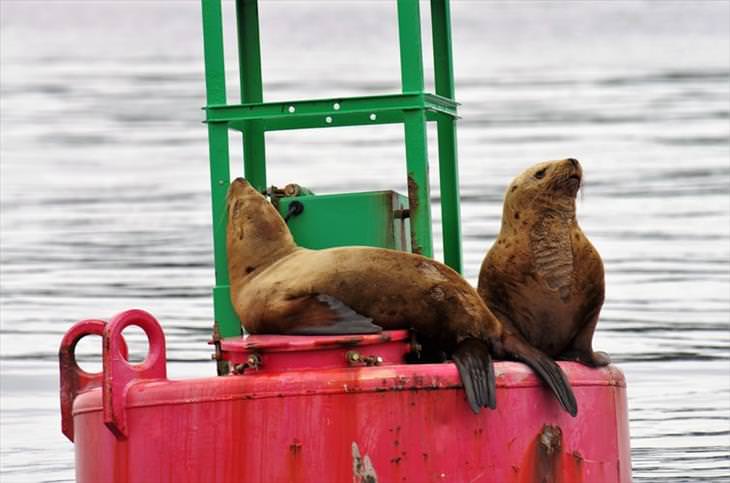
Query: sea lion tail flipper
(476, 370)
(320, 314)
(546, 368)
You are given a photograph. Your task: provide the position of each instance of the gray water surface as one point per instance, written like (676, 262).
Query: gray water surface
(105, 202)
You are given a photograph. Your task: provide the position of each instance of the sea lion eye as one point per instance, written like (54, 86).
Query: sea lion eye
(540, 174)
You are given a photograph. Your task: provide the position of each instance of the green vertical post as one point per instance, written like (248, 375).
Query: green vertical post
(215, 88)
(446, 126)
(249, 63)
(414, 108)
(411, 61)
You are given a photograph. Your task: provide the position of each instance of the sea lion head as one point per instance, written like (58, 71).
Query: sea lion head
(551, 185)
(256, 234)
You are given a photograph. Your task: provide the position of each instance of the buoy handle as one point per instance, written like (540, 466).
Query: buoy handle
(119, 374)
(73, 379)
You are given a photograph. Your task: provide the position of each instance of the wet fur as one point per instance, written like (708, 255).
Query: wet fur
(273, 282)
(542, 277)
(276, 287)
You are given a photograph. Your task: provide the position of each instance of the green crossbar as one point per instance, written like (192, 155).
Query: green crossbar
(253, 117)
(330, 112)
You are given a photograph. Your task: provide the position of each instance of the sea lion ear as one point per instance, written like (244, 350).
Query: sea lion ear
(320, 314)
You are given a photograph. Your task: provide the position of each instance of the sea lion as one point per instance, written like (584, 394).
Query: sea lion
(542, 277)
(277, 287)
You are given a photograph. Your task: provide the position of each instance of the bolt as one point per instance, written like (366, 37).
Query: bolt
(353, 357)
(254, 361)
(328, 120)
(292, 109)
(336, 106)
(373, 117)
(373, 360)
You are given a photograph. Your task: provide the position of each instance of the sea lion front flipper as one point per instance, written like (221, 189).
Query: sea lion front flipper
(474, 363)
(319, 314)
(581, 347)
(546, 368)
(590, 358)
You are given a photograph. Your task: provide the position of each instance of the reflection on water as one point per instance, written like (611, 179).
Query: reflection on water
(105, 191)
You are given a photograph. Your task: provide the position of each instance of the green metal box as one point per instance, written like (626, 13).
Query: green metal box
(376, 219)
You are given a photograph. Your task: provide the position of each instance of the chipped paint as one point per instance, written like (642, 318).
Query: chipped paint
(362, 468)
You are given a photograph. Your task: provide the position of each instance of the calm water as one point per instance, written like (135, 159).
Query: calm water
(105, 182)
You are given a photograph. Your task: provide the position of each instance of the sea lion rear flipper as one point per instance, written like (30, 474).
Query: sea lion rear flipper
(546, 368)
(475, 367)
(320, 314)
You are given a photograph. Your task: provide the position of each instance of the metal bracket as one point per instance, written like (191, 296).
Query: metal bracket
(119, 374)
(75, 380)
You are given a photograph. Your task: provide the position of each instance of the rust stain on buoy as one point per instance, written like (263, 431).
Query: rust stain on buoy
(547, 462)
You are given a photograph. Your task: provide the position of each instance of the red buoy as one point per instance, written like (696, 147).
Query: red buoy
(331, 409)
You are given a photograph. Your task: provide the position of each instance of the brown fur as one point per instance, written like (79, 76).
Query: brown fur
(270, 276)
(542, 277)
(276, 287)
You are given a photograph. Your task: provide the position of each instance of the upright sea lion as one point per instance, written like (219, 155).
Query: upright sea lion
(277, 287)
(542, 277)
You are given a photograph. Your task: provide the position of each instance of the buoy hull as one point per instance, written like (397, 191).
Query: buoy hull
(329, 409)
(394, 423)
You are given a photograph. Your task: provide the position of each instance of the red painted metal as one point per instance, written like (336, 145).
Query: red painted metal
(280, 353)
(119, 373)
(336, 422)
(75, 380)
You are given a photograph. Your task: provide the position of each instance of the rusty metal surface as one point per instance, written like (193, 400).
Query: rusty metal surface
(388, 422)
(414, 204)
(410, 421)
(407, 434)
(280, 352)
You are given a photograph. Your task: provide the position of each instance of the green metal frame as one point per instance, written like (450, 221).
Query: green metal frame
(253, 117)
